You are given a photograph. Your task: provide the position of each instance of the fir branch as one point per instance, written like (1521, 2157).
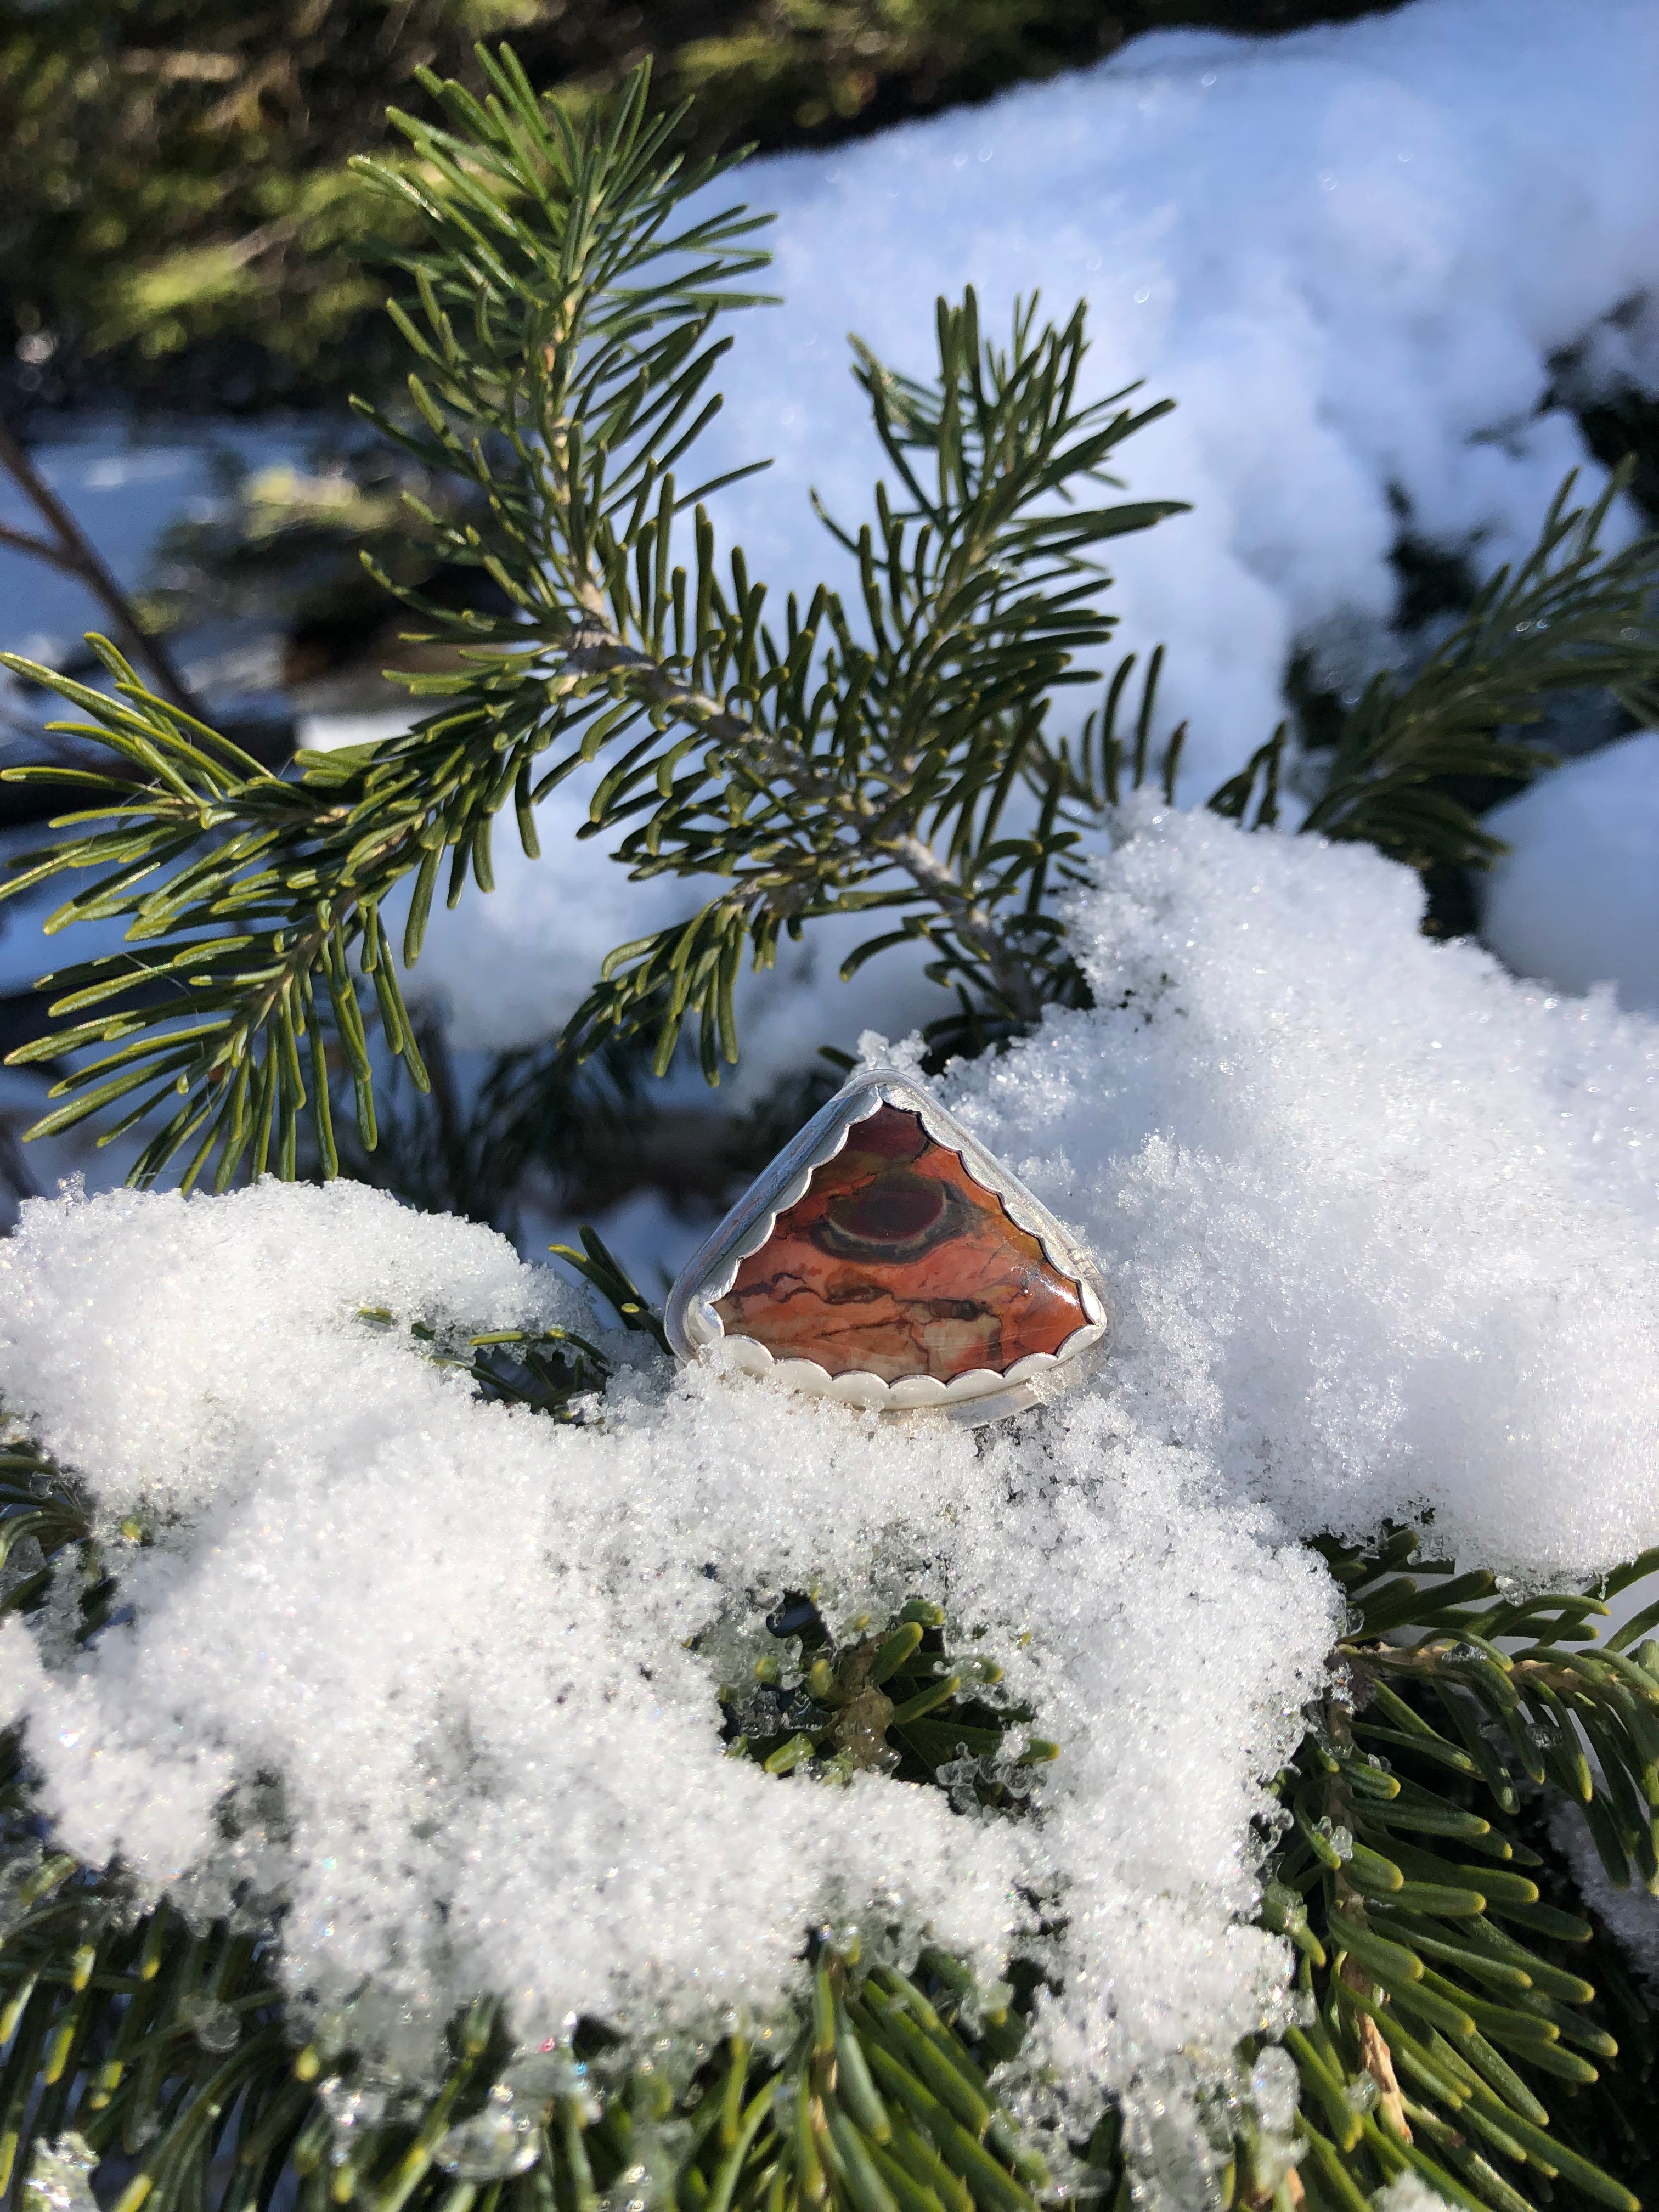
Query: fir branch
(815, 769)
(560, 309)
(269, 885)
(1421, 753)
(888, 756)
(136, 2037)
(1443, 1981)
(885, 1695)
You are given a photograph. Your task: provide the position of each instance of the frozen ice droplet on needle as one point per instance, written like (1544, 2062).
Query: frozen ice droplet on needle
(494, 2144)
(60, 2176)
(213, 2023)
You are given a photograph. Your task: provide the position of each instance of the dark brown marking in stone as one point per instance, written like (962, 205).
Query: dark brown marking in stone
(896, 1263)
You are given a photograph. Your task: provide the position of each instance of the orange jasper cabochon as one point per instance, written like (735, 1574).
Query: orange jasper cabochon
(896, 1263)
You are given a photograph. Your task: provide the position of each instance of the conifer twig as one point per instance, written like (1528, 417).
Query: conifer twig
(1458, 2015)
(561, 324)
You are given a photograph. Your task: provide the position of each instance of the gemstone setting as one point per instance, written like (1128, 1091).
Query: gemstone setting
(887, 1258)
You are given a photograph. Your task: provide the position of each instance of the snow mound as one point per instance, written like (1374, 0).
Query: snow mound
(1383, 1224)
(1382, 1230)
(1576, 901)
(459, 1633)
(1352, 256)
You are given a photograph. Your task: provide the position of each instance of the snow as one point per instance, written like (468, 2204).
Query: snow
(510, 968)
(124, 487)
(459, 1634)
(1381, 1229)
(1353, 256)
(1349, 254)
(1408, 2192)
(1631, 1915)
(1576, 901)
(1384, 1222)
(1379, 1221)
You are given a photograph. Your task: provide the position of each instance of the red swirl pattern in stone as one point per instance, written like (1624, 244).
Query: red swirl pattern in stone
(896, 1263)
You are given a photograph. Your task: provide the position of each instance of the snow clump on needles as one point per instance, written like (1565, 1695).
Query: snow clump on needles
(1383, 1235)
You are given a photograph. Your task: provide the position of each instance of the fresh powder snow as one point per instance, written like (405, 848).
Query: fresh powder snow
(459, 1634)
(1384, 1221)
(1382, 1234)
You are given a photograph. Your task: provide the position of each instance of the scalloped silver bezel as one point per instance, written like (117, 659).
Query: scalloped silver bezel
(981, 1395)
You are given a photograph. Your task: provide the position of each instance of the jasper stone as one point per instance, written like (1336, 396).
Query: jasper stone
(896, 1263)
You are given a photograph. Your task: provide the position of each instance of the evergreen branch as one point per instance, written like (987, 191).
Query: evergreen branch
(597, 1267)
(1460, 2021)
(1443, 1980)
(821, 769)
(889, 755)
(275, 882)
(138, 2036)
(253, 959)
(553, 1371)
(888, 1699)
(832, 770)
(1569, 617)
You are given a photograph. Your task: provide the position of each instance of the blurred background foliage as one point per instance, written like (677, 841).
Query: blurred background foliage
(177, 218)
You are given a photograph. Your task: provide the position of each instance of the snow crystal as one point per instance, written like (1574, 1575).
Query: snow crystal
(1409, 2192)
(1382, 1224)
(60, 2176)
(459, 1634)
(1576, 901)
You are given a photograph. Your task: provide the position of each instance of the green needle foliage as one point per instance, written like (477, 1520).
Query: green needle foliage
(159, 2048)
(1500, 2045)
(1462, 2017)
(1569, 618)
(888, 1697)
(887, 753)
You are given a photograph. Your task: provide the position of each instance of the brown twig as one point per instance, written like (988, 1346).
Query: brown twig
(71, 551)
